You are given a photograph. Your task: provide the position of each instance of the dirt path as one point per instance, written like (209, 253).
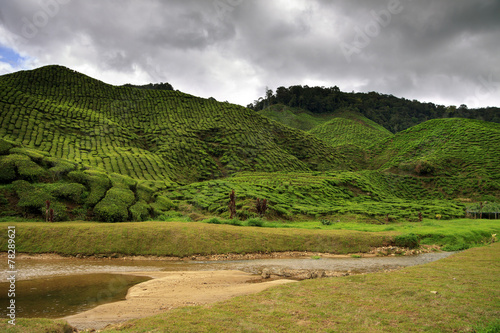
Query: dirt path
(168, 290)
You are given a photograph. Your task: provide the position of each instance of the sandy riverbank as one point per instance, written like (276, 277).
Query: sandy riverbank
(170, 290)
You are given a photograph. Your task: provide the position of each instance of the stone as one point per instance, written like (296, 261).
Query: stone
(266, 274)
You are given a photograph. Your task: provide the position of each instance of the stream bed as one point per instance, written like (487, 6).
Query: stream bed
(53, 288)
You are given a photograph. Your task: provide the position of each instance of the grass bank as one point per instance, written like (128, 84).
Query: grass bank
(452, 235)
(182, 239)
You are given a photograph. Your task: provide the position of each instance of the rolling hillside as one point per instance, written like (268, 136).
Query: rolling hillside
(444, 147)
(101, 152)
(343, 127)
(150, 134)
(350, 128)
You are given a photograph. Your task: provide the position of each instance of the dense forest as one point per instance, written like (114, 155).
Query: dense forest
(395, 114)
(152, 86)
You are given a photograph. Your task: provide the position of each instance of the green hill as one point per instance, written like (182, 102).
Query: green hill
(295, 117)
(444, 147)
(349, 128)
(101, 152)
(150, 134)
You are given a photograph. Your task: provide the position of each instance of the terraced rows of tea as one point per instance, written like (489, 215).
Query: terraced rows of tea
(108, 153)
(350, 130)
(369, 193)
(447, 147)
(149, 134)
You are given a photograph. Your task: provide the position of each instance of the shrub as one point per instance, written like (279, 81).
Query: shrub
(326, 222)
(410, 241)
(235, 222)
(161, 205)
(255, 223)
(214, 220)
(5, 146)
(26, 168)
(71, 191)
(29, 170)
(114, 206)
(31, 198)
(58, 167)
(123, 181)
(280, 210)
(455, 247)
(168, 216)
(98, 183)
(144, 192)
(140, 211)
(7, 169)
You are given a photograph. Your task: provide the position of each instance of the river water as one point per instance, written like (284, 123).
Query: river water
(52, 288)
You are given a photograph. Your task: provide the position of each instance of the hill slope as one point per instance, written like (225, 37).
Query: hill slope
(444, 147)
(101, 152)
(349, 128)
(150, 134)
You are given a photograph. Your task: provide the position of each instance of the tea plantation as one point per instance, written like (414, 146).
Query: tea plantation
(102, 152)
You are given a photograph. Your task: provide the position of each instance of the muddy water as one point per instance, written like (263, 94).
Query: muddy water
(54, 288)
(56, 296)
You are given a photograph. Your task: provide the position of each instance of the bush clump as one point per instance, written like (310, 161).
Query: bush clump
(140, 211)
(71, 191)
(114, 206)
(161, 205)
(5, 146)
(97, 182)
(33, 198)
(214, 220)
(411, 241)
(7, 169)
(255, 223)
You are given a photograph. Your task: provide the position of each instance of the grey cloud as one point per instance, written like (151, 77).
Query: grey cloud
(437, 50)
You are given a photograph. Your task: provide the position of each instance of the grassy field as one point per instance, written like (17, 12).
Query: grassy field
(183, 239)
(456, 294)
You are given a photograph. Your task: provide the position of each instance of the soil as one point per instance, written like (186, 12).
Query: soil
(375, 252)
(169, 290)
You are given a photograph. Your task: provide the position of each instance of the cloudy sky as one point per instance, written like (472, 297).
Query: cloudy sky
(441, 51)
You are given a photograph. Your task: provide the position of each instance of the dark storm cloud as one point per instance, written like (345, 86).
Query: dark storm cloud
(440, 51)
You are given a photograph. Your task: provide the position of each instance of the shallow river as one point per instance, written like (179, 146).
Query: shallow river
(54, 288)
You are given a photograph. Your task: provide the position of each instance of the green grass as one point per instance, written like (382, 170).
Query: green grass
(35, 326)
(217, 236)
(183, 239)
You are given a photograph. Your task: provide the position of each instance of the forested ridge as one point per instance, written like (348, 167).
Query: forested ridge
(393, 113)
